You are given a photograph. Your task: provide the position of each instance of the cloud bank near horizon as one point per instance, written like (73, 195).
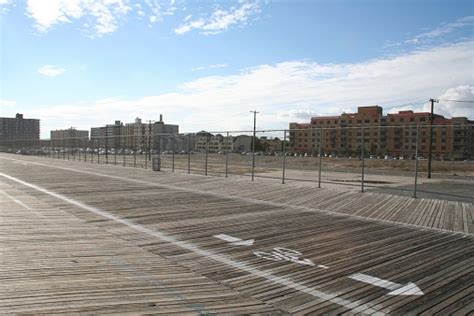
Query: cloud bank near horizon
(291, 91)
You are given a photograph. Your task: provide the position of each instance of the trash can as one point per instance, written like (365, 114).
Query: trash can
(156, 164)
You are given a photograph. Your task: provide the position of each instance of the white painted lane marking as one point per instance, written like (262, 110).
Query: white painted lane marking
(27, 207)
(356, 306)
(16, 200)
(234, 240)
(284, 254)
(396, 289)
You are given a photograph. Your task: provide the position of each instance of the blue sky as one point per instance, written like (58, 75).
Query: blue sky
(205, 64)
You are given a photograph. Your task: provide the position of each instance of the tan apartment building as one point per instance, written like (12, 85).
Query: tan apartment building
(154, 135)
(70, 137)
(394, 134)
(108, 136)
(213, 143)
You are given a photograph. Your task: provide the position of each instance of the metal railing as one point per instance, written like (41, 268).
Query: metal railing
(377, 158)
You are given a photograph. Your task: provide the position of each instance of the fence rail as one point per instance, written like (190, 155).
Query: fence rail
(391, 159)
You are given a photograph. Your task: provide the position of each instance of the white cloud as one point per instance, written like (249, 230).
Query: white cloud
(220, 20)
(105, 13)
(443, 29)
(214, 66)
(160, 8)
(5, 6)
(7, 103)
(51, 70)
(294, 91)
(449, 104)
(102, 16)
(6, 107)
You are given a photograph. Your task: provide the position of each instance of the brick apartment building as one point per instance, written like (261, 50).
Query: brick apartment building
(70, 137)
(18, 128)
(393, 134)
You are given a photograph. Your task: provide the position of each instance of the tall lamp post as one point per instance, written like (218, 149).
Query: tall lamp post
(430, 149)
(253, 141)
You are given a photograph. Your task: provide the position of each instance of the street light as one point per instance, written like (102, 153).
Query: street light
(253, 141)
(431, 136)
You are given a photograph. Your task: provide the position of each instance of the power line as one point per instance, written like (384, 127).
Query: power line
(467, 101)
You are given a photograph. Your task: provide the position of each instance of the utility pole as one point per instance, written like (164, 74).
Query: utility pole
(430, 149)
(253, 141)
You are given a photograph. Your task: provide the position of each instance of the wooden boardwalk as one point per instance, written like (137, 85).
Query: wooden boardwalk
(100, 235)
(53, 262)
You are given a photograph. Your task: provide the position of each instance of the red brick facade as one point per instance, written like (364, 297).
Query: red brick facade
(393, 134)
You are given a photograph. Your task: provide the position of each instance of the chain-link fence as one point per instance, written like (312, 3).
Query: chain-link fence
(391, 159)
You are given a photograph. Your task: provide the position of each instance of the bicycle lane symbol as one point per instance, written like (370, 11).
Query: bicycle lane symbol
(285, 254)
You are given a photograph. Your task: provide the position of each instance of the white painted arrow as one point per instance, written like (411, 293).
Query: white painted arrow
(396, 289)
(234, 240)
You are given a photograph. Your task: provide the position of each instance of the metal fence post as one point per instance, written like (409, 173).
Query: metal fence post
(98, 151)
(174, 149)
(207, 153)
(363, 159)
(146, 153)
(284, 158)
(135, 155)
(253, 154)
(416, 160)
(227, 155)
(320, 155)
(106, 150)
(123, 151)
(115, 151)
(189, 153)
